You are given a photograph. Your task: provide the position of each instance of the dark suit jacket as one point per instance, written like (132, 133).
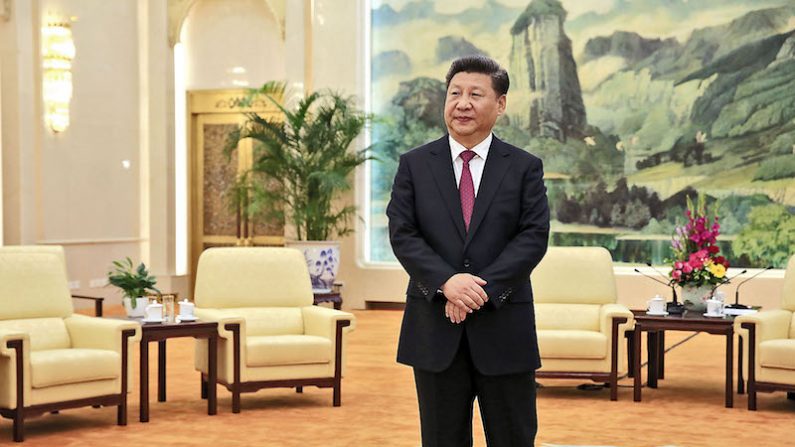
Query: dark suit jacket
(507, 238)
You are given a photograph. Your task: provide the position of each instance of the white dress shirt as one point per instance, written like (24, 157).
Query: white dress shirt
(475, 165)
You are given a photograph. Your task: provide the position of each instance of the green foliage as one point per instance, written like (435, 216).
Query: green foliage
(623, 207)
(733, 211)
(302, 163)
(775, 168)
(133, 281)
(783, 144)
(769, 238)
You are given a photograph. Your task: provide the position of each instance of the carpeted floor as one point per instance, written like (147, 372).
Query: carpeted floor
(379, 407)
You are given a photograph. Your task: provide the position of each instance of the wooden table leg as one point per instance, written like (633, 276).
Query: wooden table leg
(144, 388)
(630, 336)
(161, 371)
(212, 374)
(729, 365)
(652, 352)
(661, 355)
(636, 362)
(740, 379)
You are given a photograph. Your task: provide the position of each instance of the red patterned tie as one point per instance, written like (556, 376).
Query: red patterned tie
(466, 188)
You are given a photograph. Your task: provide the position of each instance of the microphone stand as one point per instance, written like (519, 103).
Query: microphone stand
(737, 304)
(674, 306)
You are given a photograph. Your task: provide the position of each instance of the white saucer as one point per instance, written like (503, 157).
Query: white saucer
(181, 318)
(154, 320)
(713, 315)
(655, 314)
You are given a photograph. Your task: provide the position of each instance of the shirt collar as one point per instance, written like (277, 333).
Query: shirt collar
(481, 149)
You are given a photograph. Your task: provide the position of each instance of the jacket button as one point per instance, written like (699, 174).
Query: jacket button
(466, 263)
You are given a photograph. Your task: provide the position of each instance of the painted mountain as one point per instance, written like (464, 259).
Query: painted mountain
(633, 105)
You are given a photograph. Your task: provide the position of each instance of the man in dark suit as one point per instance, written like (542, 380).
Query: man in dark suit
(469, 220)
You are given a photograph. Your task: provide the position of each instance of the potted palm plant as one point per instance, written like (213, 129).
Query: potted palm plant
(301, 164)
(134, 283)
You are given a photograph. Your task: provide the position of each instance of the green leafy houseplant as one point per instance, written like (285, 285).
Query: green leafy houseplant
(133, 281)
(302, 163)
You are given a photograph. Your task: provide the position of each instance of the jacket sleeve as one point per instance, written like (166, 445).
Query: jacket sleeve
(518, 259)
(419, 260)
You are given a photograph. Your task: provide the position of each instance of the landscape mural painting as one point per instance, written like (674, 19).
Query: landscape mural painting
(633, 105)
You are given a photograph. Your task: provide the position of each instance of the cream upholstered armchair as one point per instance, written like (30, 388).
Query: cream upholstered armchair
(769, 337)
(580, 327)
(270, 333)
(51, 359)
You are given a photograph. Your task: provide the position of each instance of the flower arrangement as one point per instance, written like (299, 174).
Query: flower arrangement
(696, 261)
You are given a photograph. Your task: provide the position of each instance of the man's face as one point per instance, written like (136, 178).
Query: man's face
(471, 107)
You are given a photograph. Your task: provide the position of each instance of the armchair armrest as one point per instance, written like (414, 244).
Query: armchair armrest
(98, 300)
(770, 324)
(222, 317)
(100, 333)
(609, 311)
(322, 321)
(7, 335)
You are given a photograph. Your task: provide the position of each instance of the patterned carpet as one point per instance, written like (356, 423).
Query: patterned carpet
(379, 407)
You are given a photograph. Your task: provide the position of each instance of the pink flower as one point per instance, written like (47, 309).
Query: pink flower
(687, 269)
(678, 265)
(676, 274)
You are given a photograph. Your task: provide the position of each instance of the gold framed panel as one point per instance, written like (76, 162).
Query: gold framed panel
(213, 221)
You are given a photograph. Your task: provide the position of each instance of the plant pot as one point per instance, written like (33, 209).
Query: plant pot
(140, 309)
(693, 297)
(322, 260)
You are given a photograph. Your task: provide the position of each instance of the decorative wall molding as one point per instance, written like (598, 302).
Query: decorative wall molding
(119, 240)
(178, 11)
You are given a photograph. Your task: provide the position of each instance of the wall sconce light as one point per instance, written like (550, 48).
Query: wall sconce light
(57, 52)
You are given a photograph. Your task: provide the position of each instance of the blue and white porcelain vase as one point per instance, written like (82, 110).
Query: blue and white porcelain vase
(322, 260)
(694, 297)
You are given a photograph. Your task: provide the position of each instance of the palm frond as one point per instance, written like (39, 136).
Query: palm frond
(302, 163)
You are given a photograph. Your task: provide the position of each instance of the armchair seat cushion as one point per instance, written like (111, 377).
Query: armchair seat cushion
(283, 350)
(64, 366)
(572, 344)
(777, 354)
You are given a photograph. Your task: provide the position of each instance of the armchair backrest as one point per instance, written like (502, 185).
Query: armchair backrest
(231, 277)
(33, 283)
(575, 275)
(788, 292)
(34, 294)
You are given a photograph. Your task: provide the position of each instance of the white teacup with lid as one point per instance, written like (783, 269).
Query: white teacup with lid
(714, 308)
(656, 305)
(186, 309)
(154, 312)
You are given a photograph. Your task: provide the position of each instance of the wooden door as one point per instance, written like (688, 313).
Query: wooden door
(215, 221)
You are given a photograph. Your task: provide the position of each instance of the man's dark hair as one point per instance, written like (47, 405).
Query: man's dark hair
(481, 64)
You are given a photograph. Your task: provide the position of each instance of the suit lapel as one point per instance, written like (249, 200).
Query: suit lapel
(442, 168)
(497, 164)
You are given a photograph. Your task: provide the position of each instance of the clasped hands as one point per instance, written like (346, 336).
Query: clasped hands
(465, 294)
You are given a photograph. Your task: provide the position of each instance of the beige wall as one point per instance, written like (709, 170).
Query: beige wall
(232, 44)
(71, 188)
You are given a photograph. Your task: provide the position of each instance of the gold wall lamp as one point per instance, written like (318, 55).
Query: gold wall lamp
(57, 53)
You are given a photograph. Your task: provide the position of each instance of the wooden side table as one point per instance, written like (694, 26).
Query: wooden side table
(334, 297)
(656, 326)
(160, 332)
